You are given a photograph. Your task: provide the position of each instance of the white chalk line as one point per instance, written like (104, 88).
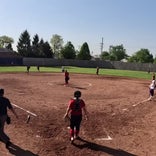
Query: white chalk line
(100, 139)
(89, 84)
(49, 83)
(105, 139)
(141, 102)
(52, 83)
(33, 114)
(134, 105)
(125, 109)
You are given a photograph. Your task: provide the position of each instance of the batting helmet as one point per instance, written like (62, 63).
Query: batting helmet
(77, 94)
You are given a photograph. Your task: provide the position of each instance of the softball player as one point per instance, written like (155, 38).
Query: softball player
(4, 104)
(75, 107)
(151, 89)
(66, 74)
(153, 76)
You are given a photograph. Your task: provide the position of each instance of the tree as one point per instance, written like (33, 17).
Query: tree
(6, 42)
(35, 46)
(142, 56)
(154, 61)
(133, 58)
(9, 46)
(84, 53)
(117, 53)
(24, 44)
(105, 56)
(47, 51)
(68, 52)
(56, 44)
(41, 44)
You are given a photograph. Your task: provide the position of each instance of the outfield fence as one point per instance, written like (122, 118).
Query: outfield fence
(89, 64)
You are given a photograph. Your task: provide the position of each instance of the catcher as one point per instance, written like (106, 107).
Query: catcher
(75, 107)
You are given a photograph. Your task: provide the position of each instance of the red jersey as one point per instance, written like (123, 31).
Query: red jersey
(66, 74)
(76, 106)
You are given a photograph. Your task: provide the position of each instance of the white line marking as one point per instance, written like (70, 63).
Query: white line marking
(134, 105)
(108, 138)
(113, 114)
(141, 102)
(51, 84)
(125, 109)
(33, 114)
(89, 84)
(38, 136)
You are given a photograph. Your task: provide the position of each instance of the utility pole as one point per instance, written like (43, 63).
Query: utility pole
(101, 45)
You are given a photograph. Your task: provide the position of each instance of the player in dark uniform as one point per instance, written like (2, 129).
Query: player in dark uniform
(153, 76)
(4, 104)
(38, 68)
(28, 68)
(97, 70)
(75, 107)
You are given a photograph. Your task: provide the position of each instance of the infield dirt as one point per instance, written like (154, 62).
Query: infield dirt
(109, 101)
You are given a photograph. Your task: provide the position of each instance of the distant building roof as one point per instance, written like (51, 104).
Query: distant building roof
(5, 50)
(8, 53)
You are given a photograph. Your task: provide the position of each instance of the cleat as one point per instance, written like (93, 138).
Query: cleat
(71, 139)
(77, 137)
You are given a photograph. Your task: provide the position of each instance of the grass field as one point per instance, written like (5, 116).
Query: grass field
(71, 69)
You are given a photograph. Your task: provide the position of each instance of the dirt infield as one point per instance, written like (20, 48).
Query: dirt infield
(116, 127)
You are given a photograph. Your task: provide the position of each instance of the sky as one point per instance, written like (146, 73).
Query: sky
(131, 23)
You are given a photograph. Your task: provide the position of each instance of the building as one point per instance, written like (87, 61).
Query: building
(9, 57)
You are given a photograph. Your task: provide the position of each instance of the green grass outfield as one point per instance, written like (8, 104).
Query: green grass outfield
(71, 69)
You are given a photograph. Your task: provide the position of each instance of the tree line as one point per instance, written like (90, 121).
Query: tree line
(38, 48)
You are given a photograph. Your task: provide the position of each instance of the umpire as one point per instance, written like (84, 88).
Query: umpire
(4, 104)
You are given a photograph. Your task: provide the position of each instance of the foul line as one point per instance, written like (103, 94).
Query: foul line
(141, 102)
(33, 114)
(134, 105)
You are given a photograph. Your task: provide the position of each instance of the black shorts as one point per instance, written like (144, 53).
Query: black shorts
(75, 121)
(151, 92)
(66, 78)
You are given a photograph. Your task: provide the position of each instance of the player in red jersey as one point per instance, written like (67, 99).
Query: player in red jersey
(75, 107)
(66, 74)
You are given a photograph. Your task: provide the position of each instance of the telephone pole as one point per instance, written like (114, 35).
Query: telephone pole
(101, 45)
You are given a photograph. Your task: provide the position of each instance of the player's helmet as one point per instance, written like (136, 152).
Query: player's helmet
(1, 91)
(77, 94)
